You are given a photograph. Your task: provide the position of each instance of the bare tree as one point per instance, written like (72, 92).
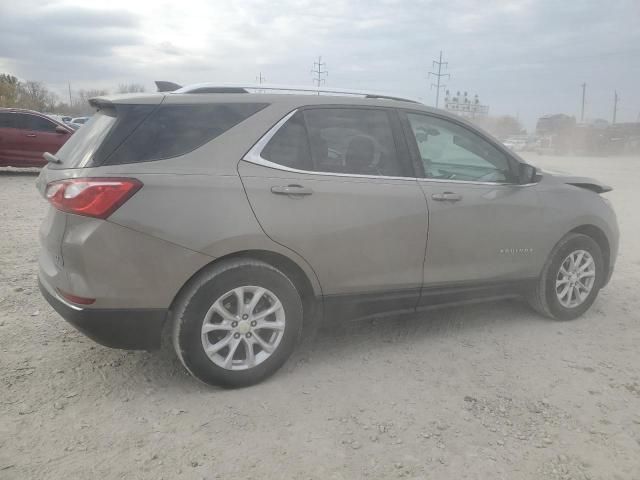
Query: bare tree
(80, 105)
(9, 90)
(130, 88)
(35, 96)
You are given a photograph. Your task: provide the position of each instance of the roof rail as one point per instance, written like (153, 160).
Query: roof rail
(290, 89)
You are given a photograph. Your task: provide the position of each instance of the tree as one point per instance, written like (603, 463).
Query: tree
(81, 105)
(35, 96)
(130, 88)
(9, 90)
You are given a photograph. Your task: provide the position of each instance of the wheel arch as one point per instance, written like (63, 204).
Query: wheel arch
(600, 238)
(308, 291)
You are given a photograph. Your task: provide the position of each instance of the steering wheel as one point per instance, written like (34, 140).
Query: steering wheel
(495, 176)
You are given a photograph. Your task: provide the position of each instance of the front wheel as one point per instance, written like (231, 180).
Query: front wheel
(237, 323)
(570, 280)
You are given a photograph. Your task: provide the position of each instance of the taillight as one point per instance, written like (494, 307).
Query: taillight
(92, 197)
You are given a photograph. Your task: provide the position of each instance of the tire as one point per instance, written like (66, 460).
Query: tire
(225, 284)
(544, 298)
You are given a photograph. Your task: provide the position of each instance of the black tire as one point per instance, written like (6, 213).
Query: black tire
(543, 297)
(197, 297)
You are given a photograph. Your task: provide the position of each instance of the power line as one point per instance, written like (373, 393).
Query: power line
(584, 88)
(320, 73)
(438, 76)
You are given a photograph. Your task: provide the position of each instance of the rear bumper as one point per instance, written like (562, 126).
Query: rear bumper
(129, 329)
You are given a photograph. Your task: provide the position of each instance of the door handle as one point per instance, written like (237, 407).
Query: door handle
(30, 134)
(293, 190)
(447, 197)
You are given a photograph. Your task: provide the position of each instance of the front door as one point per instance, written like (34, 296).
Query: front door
(334, 185)
(483, 226)
(40, 136)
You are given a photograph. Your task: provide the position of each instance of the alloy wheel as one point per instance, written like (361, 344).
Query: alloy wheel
(575, 279)
(243, 328)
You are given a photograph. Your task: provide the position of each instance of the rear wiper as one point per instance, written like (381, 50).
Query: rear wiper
(51, 158)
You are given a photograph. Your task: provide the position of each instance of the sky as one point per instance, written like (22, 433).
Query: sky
(524, 58)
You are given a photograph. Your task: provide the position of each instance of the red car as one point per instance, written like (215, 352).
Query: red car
(25, 135)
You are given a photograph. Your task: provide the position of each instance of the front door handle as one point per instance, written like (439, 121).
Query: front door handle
(293, 190)
(447, 197)
(30, 134)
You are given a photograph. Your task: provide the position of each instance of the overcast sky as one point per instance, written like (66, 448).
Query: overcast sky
(522, 57)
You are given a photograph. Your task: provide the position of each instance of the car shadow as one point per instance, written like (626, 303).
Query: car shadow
(425, 328)
(137, 371)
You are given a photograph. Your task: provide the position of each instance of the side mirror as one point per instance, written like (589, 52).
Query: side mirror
(61, 129)
(527, 174)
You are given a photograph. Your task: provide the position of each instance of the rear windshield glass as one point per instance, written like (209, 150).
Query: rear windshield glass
(78, 151)
(173, 130)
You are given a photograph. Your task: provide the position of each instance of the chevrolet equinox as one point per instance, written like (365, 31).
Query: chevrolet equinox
(234, 216)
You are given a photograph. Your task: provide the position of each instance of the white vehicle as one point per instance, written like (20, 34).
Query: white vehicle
(80, 120)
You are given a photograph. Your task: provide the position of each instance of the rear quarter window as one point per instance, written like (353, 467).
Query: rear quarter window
(173, 130)
(7, 120)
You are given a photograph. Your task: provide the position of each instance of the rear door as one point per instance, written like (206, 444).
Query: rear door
(335, 185)
(11, 137)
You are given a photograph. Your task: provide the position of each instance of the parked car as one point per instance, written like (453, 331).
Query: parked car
(239, 218)
(80, 120)
(25, 135)
(59, 118)
(517, 143)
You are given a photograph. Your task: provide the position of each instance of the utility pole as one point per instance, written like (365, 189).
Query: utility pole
(439, 75)
(584, 87)
(320, 73)
(615, 106)
(69, 94)
(260, 78)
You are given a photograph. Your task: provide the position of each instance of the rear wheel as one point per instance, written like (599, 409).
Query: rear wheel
(237, 323)
(570, 280)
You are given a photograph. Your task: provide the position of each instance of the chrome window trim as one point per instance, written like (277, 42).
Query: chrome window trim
(254, 155)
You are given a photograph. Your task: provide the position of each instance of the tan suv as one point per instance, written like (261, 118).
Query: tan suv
(234, 217)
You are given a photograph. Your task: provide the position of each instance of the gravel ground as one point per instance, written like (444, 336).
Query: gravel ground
(490, 391)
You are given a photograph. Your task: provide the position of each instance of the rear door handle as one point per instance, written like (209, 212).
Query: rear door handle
(447, 197)
(293, 190)
(30, 134)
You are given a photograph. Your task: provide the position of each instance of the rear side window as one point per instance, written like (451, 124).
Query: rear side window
(39, 124)
(173, 130)
(352, 140)
(289, 147)
(337, 140)
(7, 120)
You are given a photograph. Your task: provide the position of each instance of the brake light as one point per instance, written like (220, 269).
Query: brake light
(91, 197)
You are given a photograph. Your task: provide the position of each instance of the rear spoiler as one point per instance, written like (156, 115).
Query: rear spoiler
(99, 102)
(164, 86)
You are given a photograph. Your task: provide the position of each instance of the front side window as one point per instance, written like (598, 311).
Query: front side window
(336, 140)
(449, 151)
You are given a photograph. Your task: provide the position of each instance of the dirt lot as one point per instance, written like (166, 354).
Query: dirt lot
(490, 391)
